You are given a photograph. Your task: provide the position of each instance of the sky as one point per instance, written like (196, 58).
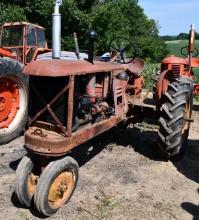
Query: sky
(173, 16)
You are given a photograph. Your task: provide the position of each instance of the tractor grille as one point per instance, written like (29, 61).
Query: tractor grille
(175, 68)
(48, 88)
(164, 67)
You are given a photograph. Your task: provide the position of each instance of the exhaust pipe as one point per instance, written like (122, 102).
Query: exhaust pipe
(92, 35)
(56, 31)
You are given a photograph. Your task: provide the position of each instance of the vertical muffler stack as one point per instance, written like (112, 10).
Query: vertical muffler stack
(191, 47)
(56, 31)
(92, 35)
(91, 86)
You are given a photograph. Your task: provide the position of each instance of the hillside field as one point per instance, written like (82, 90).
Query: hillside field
(175, 46)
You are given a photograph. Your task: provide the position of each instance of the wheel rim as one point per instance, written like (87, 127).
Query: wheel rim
(31, 184)
(61, 189)
(9, 101)
(13, 103)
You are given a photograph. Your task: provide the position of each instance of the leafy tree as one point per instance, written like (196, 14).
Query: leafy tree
(183, 36)
(11, 13)
(109, 18)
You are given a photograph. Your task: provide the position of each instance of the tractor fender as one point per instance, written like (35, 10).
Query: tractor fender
(162, 83)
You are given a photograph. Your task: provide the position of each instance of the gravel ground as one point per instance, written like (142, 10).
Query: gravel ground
(121, 177)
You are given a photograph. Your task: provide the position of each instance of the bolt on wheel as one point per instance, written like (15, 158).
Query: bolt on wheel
(56, 185)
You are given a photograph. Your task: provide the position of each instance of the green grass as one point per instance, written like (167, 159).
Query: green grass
(174, 47)
(196, 75)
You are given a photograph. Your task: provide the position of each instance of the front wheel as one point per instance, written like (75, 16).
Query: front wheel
(25, 181)
(56, 185)
(175, 117)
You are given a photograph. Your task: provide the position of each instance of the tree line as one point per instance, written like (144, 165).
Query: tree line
(109, 18)
(181, 36)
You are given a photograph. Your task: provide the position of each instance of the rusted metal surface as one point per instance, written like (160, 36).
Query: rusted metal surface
(6, 53)
(55, 144)
(47, 106)
(136, 66)
(118, 91)
(196, 89)
(102, 86)
(57, 68)
(142, 102)
(91, 88)
(106, 85)
(162, 84)
(135, 85)
(174, 60)
(70, 106)
(194, 62)
(7, 24)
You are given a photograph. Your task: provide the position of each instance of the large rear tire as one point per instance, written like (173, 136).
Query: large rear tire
(13, 99)
(175, 117)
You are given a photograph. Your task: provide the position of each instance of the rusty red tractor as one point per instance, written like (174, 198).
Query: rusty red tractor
(74, 100)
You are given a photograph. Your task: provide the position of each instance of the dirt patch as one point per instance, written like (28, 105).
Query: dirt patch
(121, 177)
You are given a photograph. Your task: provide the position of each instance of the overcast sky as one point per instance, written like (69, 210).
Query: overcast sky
(173, 16)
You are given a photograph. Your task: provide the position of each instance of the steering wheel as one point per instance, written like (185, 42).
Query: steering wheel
(122, 50)
(185, 53)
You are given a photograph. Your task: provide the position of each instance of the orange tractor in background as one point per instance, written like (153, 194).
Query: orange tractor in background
(20, 43)
(174, 92)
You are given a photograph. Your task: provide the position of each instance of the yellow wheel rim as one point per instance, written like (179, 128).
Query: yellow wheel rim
(61, 189)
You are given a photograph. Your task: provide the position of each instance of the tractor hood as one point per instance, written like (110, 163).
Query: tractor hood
(58, 67)
(174, 60)
(178, 60)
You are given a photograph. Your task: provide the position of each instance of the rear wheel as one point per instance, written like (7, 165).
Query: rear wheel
(13, 99)
(175, 117)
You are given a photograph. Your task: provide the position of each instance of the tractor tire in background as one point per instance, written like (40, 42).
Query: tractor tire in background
(175, 117)
(13, 99)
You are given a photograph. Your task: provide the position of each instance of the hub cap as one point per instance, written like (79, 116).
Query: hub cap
(9, 101)
(61, 189)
